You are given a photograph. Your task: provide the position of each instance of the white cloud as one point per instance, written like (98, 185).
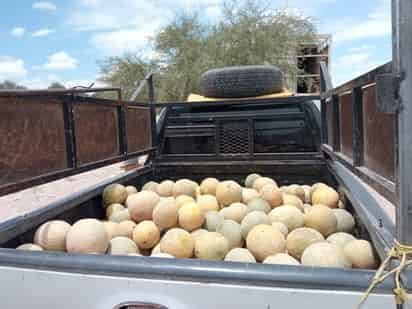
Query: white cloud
(17, 31)
(12, 68)
(122, 41)
(60, 61)
(376, 25)
(42, 32)
(44, 6)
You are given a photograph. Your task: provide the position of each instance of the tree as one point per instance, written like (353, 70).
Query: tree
(7, 84)
(56, 85)
(249, 33)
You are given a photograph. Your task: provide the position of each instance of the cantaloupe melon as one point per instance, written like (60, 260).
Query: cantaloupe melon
(260, 182)
(316, 186)
(156, 249)
(141, 205)
(125, 228)
(250, 179)
(301, 238)
(340, 239)
(346, 222)
(178, 243)
(228, 192)
(208, 186)
(30, 247)
(281, 227)
(251, 220)
(207, 203)
(150, 186)
(248, 195)
(258, 204)
(289, 199)
(184, 187)
(51, 235)
(232, 232)
(211, 246)
(119, 216)
(165, 214)
(131, 190)
(325, 196)
(190, 217)
(197, 233)
(360, 254)
(242, 255)
(272, 195)
(289, 215)
(322, 219)
(297, 191)
(307, 190)
(282, 259)
(213, 220)
(114, 194)
(87, 236)
(325, 254)
(111, 229)
(183, 199)
(113, 208)
(146, 234)
(235, 212)
(122, 246)
(264, 240)
(165, 188)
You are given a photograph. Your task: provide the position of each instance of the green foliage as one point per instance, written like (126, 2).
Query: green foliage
(249, 33)
(56, 85)
(10, 85)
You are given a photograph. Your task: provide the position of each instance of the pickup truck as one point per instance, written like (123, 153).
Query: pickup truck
(356, 142)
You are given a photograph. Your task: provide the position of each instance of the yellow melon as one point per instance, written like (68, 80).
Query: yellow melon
(211, 246)
(258, 204)
(87, 236)
(114, 194)
(184, 187)
(251, 220)
(289, 215)
(207, 203)
(360, 254)
(322, 219)
(190, 217)
(131, 190)
(282, 259)
(325, 196)
(120, 216)
(301, 238)
(122, 246)
(51, 235)
(324, 254)
(235, 212)
(213, 220)
(340, 239)
(183, 199)
(260, 182)
(178, 243)
(150, 186)
(240, 255)
(165, 214)
(250, 179)
(165, 188)
(248, 195)
(228, 192)
(146, 234)
(272, 195)
(208, 186)
(264, 240)
(29, 247)
(113, 208)
(125, 228)
(232, 232)
(141, 205)
(289, 199)
(346, 222)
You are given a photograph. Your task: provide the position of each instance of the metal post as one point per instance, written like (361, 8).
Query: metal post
(402, 68)
(325, 86)
(357, 117)
(336, 123)
(152, 110)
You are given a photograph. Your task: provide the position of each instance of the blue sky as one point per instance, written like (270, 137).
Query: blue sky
(63, 40)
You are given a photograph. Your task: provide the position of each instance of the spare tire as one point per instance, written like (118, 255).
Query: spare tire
(241, 81)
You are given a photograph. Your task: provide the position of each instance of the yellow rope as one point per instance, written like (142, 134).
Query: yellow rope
(399, 251)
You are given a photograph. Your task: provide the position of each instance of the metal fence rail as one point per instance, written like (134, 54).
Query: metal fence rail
(49, 134)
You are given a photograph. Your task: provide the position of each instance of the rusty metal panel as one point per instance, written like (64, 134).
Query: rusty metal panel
(32, 138)
(96, 130)
(138, 128)
(379, 132)
(346, 124)
(329, 122)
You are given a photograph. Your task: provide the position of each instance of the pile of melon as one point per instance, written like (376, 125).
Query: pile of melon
(218, 220)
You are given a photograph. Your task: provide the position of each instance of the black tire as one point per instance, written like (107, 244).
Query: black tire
(241, 81)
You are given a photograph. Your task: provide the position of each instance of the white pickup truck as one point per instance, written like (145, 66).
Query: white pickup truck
(359, 143)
